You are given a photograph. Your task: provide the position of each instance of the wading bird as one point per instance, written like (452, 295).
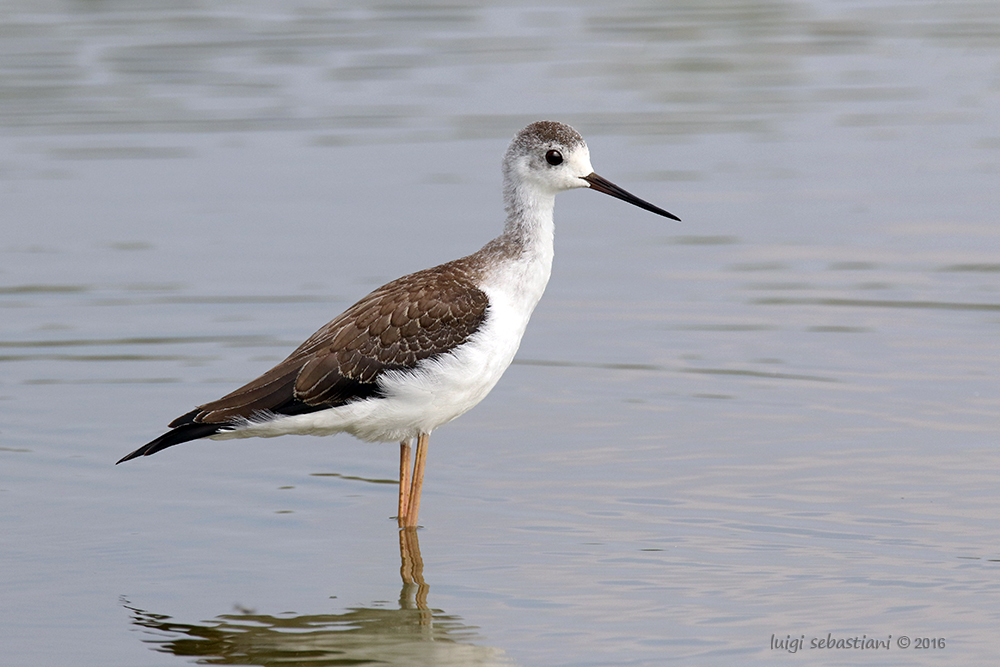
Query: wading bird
(421, 350)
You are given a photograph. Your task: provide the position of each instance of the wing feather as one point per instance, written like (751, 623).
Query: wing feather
(416, 317)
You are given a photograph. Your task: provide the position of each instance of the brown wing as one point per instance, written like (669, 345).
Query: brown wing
(416, 317)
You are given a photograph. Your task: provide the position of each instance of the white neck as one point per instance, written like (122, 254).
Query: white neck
(529, 218)
(525, 248)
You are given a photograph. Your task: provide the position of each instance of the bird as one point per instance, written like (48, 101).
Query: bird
(424, 349)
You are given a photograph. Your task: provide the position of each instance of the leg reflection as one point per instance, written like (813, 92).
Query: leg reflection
(411, 569)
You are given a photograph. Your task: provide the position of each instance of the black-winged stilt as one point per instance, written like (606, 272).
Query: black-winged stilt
(421, 350)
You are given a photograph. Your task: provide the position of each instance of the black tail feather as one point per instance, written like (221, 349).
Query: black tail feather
(175, 436)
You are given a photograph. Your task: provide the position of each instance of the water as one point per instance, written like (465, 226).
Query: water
(776, 420)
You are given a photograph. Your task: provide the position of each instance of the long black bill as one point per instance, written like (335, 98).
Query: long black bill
(607, 187)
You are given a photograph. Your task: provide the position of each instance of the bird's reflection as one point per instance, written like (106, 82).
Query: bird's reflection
(414, 634)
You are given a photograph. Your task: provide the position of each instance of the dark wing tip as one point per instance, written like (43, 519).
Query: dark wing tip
(175, 436)
(129, 457)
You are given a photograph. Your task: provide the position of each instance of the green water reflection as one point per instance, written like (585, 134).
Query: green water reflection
(412, 634)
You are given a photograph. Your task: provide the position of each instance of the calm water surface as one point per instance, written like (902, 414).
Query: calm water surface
(774, 422)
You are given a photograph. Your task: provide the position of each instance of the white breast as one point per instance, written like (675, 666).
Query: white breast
(441, 389)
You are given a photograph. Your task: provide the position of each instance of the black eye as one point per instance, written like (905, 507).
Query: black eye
(553, 157)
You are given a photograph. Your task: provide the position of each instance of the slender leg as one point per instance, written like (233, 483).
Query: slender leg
(413, 509)
(404, 482)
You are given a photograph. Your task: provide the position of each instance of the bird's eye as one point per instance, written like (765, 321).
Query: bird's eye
(554, 157)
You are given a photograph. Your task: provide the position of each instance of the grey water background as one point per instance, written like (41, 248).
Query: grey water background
(775, 420)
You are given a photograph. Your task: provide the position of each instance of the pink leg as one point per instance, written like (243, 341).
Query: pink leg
(413, 507)
(404, 482)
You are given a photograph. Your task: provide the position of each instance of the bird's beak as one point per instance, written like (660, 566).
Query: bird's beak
(607, 187)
